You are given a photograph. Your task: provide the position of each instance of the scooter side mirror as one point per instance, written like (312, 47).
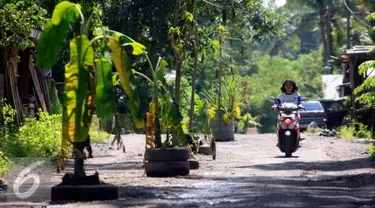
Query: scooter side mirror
(271, 99)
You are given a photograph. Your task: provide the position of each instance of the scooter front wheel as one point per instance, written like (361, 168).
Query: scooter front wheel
(288, 148)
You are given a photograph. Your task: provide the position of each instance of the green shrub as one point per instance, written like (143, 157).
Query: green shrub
(97, 135)
(371, 151)
(314, 131)
(347, 132)
(36, 137)
(363, 132)
(350, 132)
(3, 166)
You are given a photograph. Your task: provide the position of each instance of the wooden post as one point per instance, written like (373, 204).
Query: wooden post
(11, 66)
(23, 85)
(2, 86)
(38, 87)
(352, 87)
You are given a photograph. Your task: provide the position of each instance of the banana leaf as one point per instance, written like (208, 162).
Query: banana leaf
(55, 33)
(76, 117)
(125, 73)
(103, 88)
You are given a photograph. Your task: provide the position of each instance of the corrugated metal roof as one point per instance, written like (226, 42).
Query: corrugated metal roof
(359, 50)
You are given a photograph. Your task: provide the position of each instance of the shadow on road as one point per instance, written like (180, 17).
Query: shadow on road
(283, 156)
(354, 164)
(255, 192)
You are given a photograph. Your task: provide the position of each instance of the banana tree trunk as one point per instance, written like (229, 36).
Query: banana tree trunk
(79, 171)
(157, 116)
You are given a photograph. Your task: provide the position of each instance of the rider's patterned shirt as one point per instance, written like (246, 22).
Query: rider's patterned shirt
(292, 98)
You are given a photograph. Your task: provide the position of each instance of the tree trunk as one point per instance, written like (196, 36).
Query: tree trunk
(178, 80)
(329, 32)
(196, 45)
(323, 34)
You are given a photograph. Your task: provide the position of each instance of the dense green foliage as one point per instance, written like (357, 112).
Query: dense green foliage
(262, 45)
(16, 22)
(365, 91)
(37, 136)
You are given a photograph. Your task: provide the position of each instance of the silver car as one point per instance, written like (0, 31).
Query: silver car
(314, 113)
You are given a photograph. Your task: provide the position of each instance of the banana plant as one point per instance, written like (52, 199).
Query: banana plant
(88, 74)
(163, 109)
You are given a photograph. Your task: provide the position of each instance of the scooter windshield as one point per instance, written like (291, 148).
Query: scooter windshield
(288, 115)
(288, 108)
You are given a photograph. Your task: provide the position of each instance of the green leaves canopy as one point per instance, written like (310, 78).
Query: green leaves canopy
(16, 22)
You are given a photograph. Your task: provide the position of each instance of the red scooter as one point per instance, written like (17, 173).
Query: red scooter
(288, 132)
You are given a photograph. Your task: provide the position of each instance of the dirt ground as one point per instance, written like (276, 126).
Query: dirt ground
(247, 172)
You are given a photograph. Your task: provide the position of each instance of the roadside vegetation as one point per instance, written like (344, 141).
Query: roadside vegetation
(37, 137)
(211, 49)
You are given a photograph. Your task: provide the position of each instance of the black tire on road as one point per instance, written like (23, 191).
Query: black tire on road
(167, 169)
(167, 154)
(194, 164)
(288, 148)
(205, 149)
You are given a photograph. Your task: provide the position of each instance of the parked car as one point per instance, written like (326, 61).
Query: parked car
(335, 110)
(314, 112)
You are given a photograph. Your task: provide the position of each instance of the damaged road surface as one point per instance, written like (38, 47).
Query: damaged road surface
(247, 172)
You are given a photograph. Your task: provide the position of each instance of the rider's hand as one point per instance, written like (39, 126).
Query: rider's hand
(274, 107)
(301, 107)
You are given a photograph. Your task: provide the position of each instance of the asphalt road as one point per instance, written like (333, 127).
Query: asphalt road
(248, 172)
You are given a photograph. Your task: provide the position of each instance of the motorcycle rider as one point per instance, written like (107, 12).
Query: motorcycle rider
(289, 94)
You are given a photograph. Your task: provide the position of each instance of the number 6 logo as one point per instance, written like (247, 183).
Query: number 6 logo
(21, 179)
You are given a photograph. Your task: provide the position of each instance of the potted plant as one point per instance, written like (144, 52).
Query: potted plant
(248, 124)
(220, 117)
(168, 158)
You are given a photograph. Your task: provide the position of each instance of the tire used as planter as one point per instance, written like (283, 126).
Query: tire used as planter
(167, 154)
(251, 130)
(194, 164)
(205, 149)
(221, 130)
(167, 162)
(167, 168)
